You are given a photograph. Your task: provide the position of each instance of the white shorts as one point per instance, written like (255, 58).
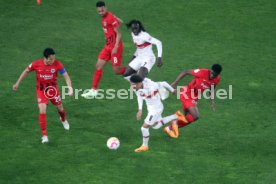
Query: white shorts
(139, 62)
(153, 118)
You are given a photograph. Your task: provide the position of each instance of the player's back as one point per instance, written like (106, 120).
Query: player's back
(142, 43)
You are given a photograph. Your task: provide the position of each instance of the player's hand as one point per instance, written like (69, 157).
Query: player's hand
(159, 62)
(70, 92)
(213, 106)
(15, 87)
(114, 50)
(139, 115)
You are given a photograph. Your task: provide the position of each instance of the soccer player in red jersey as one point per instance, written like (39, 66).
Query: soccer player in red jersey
(46, 87)
(113, 49)
(203, 79)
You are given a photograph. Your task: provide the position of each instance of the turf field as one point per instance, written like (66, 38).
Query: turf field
(236, 144)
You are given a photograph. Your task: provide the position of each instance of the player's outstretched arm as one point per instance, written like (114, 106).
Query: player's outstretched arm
(181, 76)
(120, 21)
(21, 77)
(68, 83)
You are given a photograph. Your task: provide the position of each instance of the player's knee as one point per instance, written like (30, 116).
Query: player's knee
(98, 67)
(42, 111)
(116, 70)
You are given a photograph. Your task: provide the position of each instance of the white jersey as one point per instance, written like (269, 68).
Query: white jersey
(150, 94)
(143, 42)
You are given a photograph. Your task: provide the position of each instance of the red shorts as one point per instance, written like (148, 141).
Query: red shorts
(186, 99)
(115, 59)
(50, 93)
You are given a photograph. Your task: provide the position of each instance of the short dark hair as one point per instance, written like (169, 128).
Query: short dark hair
(100, 4)
(135, 78)
(136, 22)
(47, 52)
(217, 68)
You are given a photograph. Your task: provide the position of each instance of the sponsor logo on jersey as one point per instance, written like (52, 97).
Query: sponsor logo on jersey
(46, 76)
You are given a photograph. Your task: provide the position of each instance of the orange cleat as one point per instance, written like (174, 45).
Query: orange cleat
(170, 132)
(181, 117)
(175, 129)
(142, 149)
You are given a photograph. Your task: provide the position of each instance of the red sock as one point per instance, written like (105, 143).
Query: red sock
(189, 118)
(62, 115)
(122, 70)
(43, 123)
(97, 77)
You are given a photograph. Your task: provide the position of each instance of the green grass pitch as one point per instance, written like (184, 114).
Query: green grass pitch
(236, 144)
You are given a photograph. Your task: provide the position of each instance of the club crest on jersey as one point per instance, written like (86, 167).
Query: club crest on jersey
(53, 70)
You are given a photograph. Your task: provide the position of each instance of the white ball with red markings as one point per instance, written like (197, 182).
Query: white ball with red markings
(113, 143)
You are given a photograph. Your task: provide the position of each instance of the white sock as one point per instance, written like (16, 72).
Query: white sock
(127, 78)
(145, 134)
(164, 121)
(169, 118)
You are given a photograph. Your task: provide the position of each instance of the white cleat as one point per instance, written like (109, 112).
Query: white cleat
(44, 139)
(90, 94)
(66, 125)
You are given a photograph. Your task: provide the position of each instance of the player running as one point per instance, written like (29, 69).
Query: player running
(113, 49)
(47, 88)
(148, 90)
(203, 80)
(144, 58)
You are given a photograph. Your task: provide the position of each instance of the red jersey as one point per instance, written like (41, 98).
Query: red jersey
(46, 75)
(202, 81)
(109, 23)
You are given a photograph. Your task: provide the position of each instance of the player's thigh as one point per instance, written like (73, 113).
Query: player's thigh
(149, 62)
(56, 99)
(152, 118)
(41, 97)
(104, 56)
(135, 64)
(116, 59)
(187, 103)
(193, 110)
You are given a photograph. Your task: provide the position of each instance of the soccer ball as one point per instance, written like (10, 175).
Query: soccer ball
(113, 143)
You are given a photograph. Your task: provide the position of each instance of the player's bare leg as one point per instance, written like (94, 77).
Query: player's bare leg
(128, 72)
(42, 122)
(145, 134)
(96, 79)
(63, 117)
(143, 72)
(119, 70)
